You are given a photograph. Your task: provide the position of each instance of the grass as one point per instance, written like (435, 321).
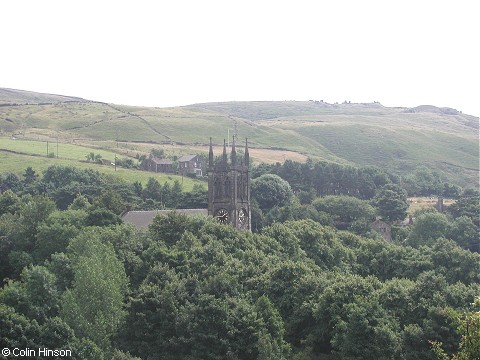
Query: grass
(65, 151)
(356, 134)
(420, 203)
(17, 163)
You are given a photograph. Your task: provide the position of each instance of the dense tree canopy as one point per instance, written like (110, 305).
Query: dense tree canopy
(311, 283)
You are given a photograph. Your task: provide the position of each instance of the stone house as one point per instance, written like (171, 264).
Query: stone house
(382, 228)
(158, 165)
(191, 164)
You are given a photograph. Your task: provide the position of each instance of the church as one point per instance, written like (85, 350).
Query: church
(228, 192)
(229, 187)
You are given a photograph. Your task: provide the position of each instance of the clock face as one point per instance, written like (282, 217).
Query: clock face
(242, 216)
(222, 216)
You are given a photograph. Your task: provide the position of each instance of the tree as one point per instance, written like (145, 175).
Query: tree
(424, 182)
(468, 205)
(10, 181)
(98, 158)
(32, 213)
(366, 332)
(464, 232)
(109, 200)
(175, 194)
(56, 231)
(79, 203)
(347, 212)
(29, 176)
(391, 202)
(271, 190)
(90, 156)
(101, 217)
(427, 228)
(153, 190)
(35, 295)
(468, 325)
(157, 153)
(195, 199)
(94, 306)
(9, 202)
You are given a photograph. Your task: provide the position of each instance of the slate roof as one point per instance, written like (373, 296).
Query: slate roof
(186, 158)
(141, 219)
(162, 161)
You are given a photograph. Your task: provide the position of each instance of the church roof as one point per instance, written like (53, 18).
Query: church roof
(141, 219)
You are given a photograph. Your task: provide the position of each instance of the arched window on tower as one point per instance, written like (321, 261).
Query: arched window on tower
(240, 180)
(245, 186)
(217, 186)
(228, 187)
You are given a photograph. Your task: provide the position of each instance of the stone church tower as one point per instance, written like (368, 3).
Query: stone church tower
(229, 188)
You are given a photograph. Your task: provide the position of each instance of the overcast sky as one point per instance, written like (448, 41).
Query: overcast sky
(169, 53)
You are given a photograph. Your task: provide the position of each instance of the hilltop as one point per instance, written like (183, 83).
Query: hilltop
(398, 139)
(18, 97)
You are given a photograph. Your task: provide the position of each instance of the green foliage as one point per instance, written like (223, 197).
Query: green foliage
(79, 203)
(54, 234)
(9, 202)
(102, 217)
(467, 205)
(468, 325)
(464, 232)
(16, 330)
(326, 178)
(158, 153)
(271, 190)
(94, 306)
(10, 181)
(424, 182)
(366, 332)
(35, 295)
(153, 190)
(29, 176)
(347, 212)
(427, 228)
(391, 202)
(192, 288)
(109, 200)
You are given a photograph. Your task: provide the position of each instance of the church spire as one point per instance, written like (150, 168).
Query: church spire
(210, 155)
(234, 152)
(247, 155)
(224, 157)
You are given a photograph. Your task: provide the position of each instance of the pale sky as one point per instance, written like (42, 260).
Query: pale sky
(171, 53)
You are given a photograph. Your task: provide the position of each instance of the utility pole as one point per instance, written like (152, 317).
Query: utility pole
(57, 147)
(47, 148)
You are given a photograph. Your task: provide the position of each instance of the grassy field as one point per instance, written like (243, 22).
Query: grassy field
(420, 203)
(398, 139)
(61, 150)
(17, 163)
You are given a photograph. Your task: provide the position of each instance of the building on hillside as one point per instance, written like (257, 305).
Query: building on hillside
(228, 191)
(191, 164)
(382, 228)
(440, 206)
(158, 165)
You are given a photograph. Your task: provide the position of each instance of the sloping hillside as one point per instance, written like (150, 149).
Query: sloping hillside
(398, 139)
(12, 97)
